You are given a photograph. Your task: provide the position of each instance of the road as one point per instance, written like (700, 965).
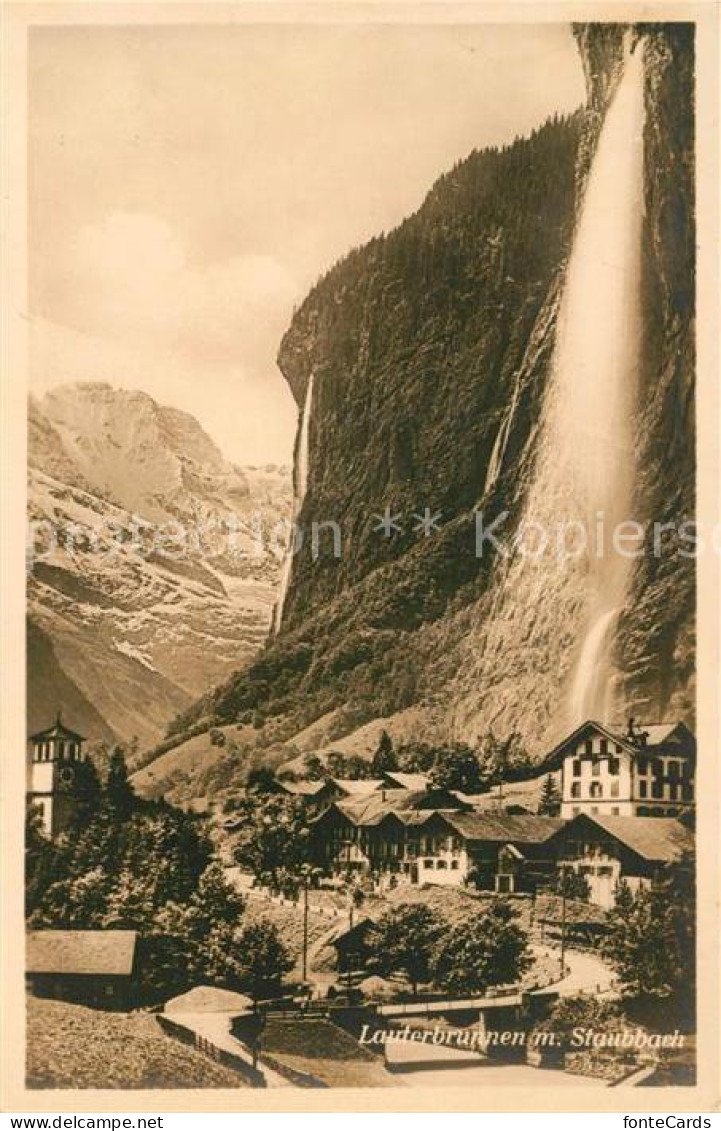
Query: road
(421, 1066)
(587, 973)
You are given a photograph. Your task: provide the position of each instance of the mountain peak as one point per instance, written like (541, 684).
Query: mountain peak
(151, 459)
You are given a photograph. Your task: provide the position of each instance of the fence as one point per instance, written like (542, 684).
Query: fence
(187, 1037)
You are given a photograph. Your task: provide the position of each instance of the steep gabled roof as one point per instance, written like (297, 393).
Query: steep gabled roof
(655, 839)
(353, 787)
(406, 781)
(656, 735)
(302, 788)
(502, 828)
(371, 809)
(80, 952)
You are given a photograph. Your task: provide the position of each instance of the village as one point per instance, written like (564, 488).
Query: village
(378, 902)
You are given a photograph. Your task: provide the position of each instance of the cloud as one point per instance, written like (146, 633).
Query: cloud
(130, 275)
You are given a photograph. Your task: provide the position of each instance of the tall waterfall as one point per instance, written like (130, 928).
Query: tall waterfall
(551, 618)
(587, 460)
(300, 484)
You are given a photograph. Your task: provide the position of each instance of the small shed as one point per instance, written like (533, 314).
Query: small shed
(96, 968)
(351, 945)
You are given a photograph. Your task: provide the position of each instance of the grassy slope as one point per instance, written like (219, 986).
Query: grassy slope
(326, 1052)
(69, 1046)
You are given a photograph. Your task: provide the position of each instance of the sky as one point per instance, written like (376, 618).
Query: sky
(188, 184)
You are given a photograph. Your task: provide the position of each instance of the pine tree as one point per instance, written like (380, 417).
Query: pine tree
(550, 803)
(651, 937)
(118, 790)
(385, 759)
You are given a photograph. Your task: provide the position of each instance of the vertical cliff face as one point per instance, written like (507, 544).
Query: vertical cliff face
(431, 351)
(420, 344)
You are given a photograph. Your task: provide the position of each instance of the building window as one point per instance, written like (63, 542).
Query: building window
(614, 766)
(576, 810)
(441, 864)
(604, 746)
(673, 790)
(595, 767)
(619, 748)
(454, 865)
(596, 789)
(576, 767)
(575, 789)
(605, 870)
(615, 789)
(643, 811)
(589, 746)
(657, 787)
(642, 765)
(615, 811)
(428, 864)
(594, 810)
(643, 789)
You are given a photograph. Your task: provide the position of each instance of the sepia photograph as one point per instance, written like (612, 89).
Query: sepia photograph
(362, 555)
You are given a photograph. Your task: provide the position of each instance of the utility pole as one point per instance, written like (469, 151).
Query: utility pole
(305, 926)
(563, 921)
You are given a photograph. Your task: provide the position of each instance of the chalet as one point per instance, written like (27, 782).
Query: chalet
(504, 852)
(368, 834)
(608, 849)
(96, 968)
(351, 945)
(633, 772)
(432, 836)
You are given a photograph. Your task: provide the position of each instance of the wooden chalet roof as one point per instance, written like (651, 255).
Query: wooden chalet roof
(666, 736)
(359, 787)
(656, 839)
(503, 828)
(406, 804)
(399, 780)
(80, 952)
(302, 788)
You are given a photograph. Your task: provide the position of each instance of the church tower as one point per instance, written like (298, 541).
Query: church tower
(56, 774)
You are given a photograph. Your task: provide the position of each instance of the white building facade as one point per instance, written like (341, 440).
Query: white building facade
(640, 772)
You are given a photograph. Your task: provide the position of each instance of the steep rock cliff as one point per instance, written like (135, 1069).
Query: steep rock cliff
(430, 352)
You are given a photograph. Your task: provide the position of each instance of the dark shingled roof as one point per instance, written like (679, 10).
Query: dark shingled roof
(503, 827)
(80, 952)
(661, 839)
